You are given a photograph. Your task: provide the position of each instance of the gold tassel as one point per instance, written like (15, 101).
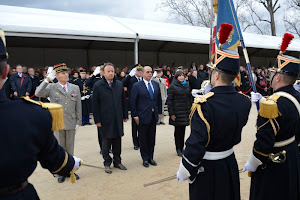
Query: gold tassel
(72, 177)
(57, 113)
(249, 174)
(269, 108)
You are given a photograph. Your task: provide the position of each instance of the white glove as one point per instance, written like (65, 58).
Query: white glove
(154, 74)
(77, 127)
(180, 178)
(97, 71)
(87, 96)
(256, 97)
(196, 93)
(249, 167)
(51, 74)
(77, 162)
(83, 98)
(132, 72)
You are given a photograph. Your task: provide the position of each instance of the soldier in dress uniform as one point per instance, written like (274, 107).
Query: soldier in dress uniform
(85, 96)
(274, 161)
(134, 76)
(96, 76)
(24, 142)
(67, 95)
(208, 162)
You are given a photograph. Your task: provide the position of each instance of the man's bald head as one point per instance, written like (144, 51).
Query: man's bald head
(147, 75)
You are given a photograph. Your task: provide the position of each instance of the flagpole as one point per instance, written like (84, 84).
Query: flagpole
(249, 69)
(211, 29)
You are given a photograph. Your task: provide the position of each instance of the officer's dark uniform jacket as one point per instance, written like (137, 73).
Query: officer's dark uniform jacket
(273, 136)
(27, 137)
(217, 122)
(92, 80)
(84, 90)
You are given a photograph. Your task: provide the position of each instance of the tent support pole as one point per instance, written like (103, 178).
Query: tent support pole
(136, 49)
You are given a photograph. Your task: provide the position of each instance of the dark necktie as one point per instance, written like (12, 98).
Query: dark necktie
(150, 90)
(110, 84)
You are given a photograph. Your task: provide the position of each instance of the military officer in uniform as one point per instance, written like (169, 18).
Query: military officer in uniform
(67, 95)
(96, 76)
(85, 96)
(274, 161)
(24, 142)
(208, 162)
(134, 76)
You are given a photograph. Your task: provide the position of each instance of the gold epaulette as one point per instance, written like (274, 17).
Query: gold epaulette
(268, 108)
(56, 111)
(203, 98)
(244, 95)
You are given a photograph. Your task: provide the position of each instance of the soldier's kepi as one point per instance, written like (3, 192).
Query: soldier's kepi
(274, 161)
(217, 119)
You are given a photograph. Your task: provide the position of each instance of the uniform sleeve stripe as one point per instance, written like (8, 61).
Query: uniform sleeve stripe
(190, 163)
(63, 165)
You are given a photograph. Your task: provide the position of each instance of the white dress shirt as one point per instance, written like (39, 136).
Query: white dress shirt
(146, 82)
(63, 86)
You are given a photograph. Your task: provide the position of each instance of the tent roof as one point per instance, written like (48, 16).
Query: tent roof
(32, 22)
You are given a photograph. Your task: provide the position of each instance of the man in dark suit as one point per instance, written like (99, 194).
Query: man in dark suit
(194, 81)
(30, 141)
(34, 80)
(134, 76)
(110, 110)
(146, 108)
(20, 83)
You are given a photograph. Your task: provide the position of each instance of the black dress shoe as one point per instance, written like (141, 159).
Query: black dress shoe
(157, 123)
(145, 164)
(136, 148)
(61, 179)
(108, 169)
(152, 162)
(76, 176)
(162, 123)
(120, 166)
(88, 123)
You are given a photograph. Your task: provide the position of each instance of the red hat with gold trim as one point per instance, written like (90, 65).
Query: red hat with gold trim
(60, 67)
(226, 61)
(285, 64)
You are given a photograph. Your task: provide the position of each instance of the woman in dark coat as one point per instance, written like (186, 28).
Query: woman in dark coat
(179, 104)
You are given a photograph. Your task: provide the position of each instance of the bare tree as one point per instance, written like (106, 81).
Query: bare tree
(292, 16)
(193, 12)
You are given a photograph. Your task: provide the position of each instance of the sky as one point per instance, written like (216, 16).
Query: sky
(137, 9)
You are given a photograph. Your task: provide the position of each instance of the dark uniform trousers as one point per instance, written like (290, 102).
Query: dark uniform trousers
(147, 134)
(116, 150)
(135, 137)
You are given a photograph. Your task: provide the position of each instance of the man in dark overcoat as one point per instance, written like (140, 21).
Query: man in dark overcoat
(110, 111)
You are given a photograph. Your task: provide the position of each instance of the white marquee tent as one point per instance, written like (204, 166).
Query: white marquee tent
(40, 37)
